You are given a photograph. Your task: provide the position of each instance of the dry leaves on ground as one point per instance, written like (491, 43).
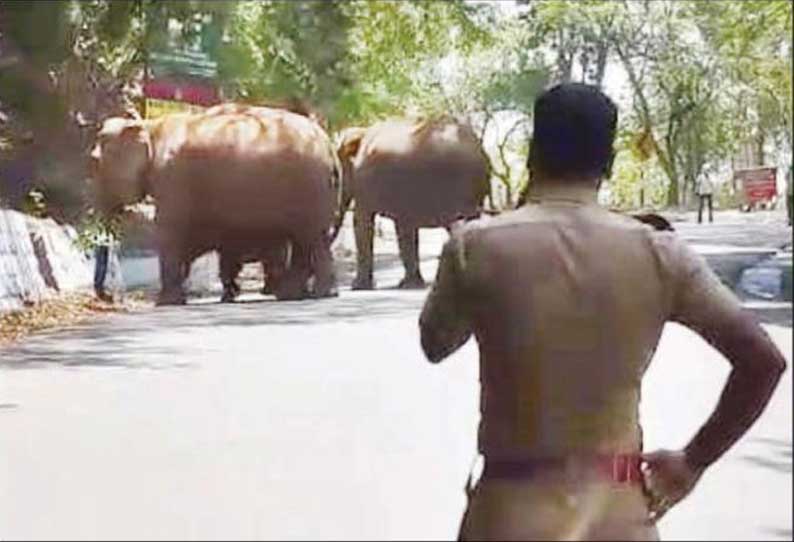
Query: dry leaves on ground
(65, 310)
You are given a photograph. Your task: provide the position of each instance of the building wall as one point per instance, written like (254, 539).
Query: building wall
(38, 259)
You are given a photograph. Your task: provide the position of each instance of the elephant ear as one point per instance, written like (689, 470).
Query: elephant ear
(120, 161)
(349, 144)
(657, 222)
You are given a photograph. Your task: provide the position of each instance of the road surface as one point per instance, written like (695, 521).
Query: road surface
(321, 420)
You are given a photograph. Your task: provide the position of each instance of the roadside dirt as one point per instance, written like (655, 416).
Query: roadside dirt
(65, 310)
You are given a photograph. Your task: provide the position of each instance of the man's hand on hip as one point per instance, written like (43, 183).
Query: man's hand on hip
(668, 478)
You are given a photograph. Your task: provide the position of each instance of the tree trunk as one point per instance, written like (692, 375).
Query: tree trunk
(665, 160)
(601, 63)
(564, 58)
(672, 191)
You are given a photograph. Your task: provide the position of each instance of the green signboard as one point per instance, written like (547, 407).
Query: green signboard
(164, 64)
(185, 47)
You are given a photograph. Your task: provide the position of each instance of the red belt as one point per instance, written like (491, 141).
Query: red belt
(618, 468)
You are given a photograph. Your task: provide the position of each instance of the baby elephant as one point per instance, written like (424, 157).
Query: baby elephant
(274, 261)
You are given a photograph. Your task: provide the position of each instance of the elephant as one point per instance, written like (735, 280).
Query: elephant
(274, 256)
(241, 176)
(418, 172)
(274, 260)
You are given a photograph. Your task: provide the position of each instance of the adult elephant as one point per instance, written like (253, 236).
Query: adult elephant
(274, 257)
(420, 173)
(224, 177)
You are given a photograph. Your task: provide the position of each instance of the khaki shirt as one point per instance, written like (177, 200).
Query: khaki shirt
(567, 302)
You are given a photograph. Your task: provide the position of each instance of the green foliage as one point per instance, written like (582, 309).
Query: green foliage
(94, 229)
(355, 61)
(289, 50)
(695, 87)
(705, 78)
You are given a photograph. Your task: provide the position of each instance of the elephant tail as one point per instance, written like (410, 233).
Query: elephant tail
(337, 182)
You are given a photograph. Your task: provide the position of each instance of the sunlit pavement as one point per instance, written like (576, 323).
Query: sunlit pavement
(316, 420)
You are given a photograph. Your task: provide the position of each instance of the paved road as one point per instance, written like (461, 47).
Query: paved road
(314, 420)
(757, 230)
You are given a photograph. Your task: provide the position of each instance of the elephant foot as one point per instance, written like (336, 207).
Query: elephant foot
(412, 283)
(327, 293)
(230, 291)
(286, 293)
(293, 295)
(360, 283)
(170, 298)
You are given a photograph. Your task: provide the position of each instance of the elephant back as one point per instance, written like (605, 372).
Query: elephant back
(245, 167)
(431, 170)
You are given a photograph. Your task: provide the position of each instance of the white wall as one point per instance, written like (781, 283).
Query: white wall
(22, 277)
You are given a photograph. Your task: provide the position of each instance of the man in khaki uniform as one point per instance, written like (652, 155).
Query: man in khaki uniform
(567, 301)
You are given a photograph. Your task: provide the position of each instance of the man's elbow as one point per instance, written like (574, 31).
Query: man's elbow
(770, 359)
(777, 366)
(768, 368)
(751, 350)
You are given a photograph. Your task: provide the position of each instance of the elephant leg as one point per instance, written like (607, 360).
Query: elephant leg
(230, 267)
(455, 225)
(268, 278)
(274, 267)
(293, 284)
(172, 276)
(323, 269)
(363, 225)
(408, 238)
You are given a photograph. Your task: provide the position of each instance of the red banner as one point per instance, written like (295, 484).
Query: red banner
(186, 92)
(759, 184)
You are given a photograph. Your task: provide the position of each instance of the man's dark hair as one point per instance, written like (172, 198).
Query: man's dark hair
(574, 129)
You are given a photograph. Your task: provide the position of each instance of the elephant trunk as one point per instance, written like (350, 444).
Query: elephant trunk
(348, 146)
(346, 197)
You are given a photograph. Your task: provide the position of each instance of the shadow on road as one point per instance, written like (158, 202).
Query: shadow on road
(126, 341)
(106, 345)
(349, 307)
(779, 534)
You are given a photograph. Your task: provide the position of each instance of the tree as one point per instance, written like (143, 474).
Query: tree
(65, 65)
(576, 35)
(753, 43)
(705, 78)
